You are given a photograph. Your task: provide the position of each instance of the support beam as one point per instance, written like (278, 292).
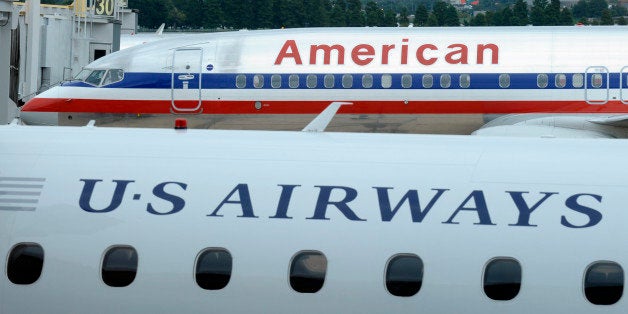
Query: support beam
(33, 19)
(8, 110)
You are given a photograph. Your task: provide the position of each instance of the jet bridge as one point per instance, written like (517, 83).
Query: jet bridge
(7, 108)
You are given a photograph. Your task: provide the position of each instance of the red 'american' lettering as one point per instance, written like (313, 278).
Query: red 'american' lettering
(365, 54)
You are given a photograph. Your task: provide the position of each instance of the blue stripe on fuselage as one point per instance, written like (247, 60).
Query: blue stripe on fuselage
(228, 81)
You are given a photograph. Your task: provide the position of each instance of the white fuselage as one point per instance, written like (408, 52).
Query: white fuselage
(396, 78)
(556, 206)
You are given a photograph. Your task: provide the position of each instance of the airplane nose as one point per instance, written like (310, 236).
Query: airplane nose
(40, 111)
(39, 118)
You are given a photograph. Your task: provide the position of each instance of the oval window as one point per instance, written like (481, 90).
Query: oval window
(213, 269)
(25, 263)
(604, 283)
(307, 272)
(502, 279)
(367, 80)
(119, 266)
(404, 275)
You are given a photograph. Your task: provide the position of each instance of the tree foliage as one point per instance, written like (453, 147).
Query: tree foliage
(267, 14)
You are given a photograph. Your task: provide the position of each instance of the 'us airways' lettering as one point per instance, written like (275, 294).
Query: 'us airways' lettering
(402, 54)
(578, 209)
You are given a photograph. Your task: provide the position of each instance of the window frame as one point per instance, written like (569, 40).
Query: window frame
(584, 281)
(8, 263)
(102, 264)
(387, 269)
(291, 265)
(484, 277)
(198, 259)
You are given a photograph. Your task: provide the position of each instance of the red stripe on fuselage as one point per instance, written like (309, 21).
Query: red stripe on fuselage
(315, 107)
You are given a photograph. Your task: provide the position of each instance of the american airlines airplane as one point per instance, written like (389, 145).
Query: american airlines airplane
(567, 81)
(192, 221)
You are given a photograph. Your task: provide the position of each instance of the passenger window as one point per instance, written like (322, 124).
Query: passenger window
(560, 80)
(542, 80)
(445, 80)
(241, 81)
(95, 77)
(404, 275)
(367, 80)
(329, 81)
(347, 81)
(502, 279)
(504, 80)
(307, 272)
(577, 80)
(119, 266)
(596, 80)
(113, 76)
(258, 81)
(311, 81)
(213, 269)
(386, 81)
(406, 81)
(25, 263)
(428, 81)
(604, 283)
(293, 81)
(275, 81)
(465, 80)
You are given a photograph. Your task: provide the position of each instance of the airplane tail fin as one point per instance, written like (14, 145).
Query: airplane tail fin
(160, 30)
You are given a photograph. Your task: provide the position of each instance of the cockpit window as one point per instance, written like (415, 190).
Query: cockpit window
(113, 76)
(82, 75)
(95, 77)
(100, 77)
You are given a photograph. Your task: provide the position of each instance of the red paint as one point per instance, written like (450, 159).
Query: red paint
(315, 107)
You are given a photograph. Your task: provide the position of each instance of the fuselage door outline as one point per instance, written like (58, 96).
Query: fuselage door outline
(187, 79)
(623, 82)
(596, 85)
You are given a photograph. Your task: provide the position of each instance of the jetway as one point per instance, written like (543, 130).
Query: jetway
(59, 39)
(8, 109)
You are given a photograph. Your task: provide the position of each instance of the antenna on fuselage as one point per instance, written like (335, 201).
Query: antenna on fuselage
(322, 120)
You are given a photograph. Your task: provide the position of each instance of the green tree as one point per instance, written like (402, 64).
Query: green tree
(552, 13)
(606, 18)
(621, 21)
(421, 15)
(316, 14)
(355, 17)
(520, 13)
(451, 16)
(432, 20)
(152, 12)
(390, 18)
(597, 7)
(339, 13)
(581, 9)
(374, 14)
(566, 18)
(479, 20)
(537, 14)
(403, 17)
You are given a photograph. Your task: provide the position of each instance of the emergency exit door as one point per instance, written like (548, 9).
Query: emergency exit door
(596, 85)
(187, 80)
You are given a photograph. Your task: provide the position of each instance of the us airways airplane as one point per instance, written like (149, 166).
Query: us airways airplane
(165, 221)
(427, 80)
